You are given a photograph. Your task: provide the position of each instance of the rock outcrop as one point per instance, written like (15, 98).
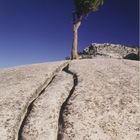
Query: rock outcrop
(71, 100)
(111, 51)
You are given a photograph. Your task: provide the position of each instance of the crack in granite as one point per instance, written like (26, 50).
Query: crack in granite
(39, 91)
(61, 123)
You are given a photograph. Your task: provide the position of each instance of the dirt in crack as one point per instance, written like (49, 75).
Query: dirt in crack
(61, 123)
(29, 109)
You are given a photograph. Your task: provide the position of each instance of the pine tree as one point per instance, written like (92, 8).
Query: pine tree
(82, 9)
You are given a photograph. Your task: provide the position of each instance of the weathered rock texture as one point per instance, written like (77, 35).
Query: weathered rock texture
(113, 51)
(106, 102)
(42, 122)
(96, 99)
(18, 88)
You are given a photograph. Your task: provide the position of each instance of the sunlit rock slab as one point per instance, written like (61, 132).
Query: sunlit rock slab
(18, 87)
(106, 102)
(43, 120)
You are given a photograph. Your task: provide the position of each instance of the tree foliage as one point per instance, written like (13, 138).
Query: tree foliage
(84, 7)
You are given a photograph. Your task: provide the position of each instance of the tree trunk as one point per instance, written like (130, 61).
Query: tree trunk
(74, 51)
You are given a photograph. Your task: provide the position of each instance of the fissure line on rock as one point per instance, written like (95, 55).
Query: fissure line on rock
(63, 107)
(29, 109)
(30, 105)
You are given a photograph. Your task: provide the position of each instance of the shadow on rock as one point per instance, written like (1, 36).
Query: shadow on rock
(132, 56)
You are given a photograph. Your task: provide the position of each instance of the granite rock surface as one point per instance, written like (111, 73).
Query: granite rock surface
(42, 122)
(19, 86)
(112, 51)
(96, 99)
(106, 102)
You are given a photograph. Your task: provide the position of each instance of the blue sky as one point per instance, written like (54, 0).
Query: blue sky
(35, 31)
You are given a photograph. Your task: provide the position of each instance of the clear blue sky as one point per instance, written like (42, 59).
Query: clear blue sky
(34, 31)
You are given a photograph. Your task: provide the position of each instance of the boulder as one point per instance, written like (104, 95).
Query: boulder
(132, 56)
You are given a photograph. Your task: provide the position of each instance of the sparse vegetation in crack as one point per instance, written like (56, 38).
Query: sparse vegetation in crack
(64, 105)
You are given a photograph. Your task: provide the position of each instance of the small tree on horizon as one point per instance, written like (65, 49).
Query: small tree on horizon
(82, 9)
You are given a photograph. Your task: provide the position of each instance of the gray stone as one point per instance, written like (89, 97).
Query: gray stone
(132, 56)
(19, 86)
(94, 99)
(106, 102)
(111, 50)
(42, 122)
